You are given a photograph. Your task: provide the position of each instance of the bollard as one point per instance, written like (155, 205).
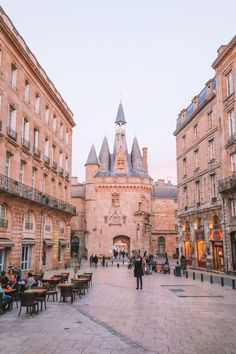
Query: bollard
(233, 283)
(194, 276)
(201, 277)
(222, 281)
(211, 279)
(186, 274)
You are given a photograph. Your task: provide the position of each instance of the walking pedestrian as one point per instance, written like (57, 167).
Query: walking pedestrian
(139, 265)
(95, 260)
(91, 260)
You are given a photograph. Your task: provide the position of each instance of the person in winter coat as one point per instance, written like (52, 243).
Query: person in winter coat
(139, 265)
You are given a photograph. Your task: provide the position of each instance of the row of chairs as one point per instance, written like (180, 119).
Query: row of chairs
(77, 288)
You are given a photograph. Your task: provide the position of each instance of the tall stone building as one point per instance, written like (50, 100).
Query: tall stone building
(35, 160)
(123, 208)
(206, 166)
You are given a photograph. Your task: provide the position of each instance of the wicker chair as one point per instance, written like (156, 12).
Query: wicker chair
(77, 287)
(89, 275)
(28, 300)
(51, 290)
(41, 297)
(66, 291)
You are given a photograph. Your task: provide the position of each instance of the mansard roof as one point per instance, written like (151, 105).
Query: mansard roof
(167, 191)
(120, 118)
(104, 155)
(92, 157)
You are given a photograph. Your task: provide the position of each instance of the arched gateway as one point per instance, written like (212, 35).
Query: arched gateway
(121, 243)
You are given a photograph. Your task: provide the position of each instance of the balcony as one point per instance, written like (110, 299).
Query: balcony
(25, 143)
(37, 152)
(3, 223)
(47, 160)
(61, 171)
(29, 226)
(231, 140)
(67, 175)
(13, 187)
(12, 133)
(54, 166)
(227, 184)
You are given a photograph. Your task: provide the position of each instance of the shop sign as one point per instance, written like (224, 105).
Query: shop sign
(215, 235)
(187, 236)
(199, 235)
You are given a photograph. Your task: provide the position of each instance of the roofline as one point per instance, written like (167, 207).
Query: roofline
(7, 26)
(224, 52)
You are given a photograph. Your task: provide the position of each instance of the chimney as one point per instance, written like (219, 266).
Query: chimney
(145, 163)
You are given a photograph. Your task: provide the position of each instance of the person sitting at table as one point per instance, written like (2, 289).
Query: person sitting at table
(12, 277)
(4, 279)
(30, 281)
(6, 299)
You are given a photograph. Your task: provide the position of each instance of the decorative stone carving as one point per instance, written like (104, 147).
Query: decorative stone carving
(115, 218)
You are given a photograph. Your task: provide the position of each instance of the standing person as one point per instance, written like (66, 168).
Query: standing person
(91, 260)
(138, 270)
(183, 263)
(95, 260)
(103, 260)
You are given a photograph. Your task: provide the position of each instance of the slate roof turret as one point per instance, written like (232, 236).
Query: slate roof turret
(120, 118)
(104, 156)
(92, 157)
(136, 157)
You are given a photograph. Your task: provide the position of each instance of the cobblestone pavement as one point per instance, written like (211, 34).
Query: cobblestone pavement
(170, 315)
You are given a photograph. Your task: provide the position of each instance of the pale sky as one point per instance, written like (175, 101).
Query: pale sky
(156, 53)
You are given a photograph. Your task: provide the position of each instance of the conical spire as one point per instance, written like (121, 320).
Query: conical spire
(104, 156)
(120, 118)
(92, 157)
(136, 157)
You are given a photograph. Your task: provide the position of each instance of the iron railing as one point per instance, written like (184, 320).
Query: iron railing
(227, 184)
(47, 160)
(36, 152)
(26, 143)
(67, 175)
(54, 165)
(4, 223)
(61, 171)
(11, 133)
(16, 188)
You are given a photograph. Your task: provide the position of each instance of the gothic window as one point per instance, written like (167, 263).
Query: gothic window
(115, 200)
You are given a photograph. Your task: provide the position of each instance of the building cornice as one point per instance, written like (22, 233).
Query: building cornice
(18, 43)
(224, 52)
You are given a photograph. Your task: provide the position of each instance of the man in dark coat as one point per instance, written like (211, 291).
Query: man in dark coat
(138, 270)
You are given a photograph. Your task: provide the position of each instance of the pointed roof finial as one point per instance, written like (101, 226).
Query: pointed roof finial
(120, 118)
(92, 157)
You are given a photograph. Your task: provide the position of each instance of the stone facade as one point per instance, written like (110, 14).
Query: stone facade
(124, 209)
(206, 156)
(35, 160)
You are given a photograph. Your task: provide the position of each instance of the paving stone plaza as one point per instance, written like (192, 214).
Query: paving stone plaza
(170, 315)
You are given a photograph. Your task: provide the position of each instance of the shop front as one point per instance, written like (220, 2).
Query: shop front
(200, 248)
(233, 247)
(5, 245)
(217, 247)
(187, 243)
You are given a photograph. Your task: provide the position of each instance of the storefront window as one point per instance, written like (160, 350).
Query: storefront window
(2, 259)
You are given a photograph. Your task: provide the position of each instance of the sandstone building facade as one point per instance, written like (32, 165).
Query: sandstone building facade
(120, 205)
(35, 160)
(206, 155)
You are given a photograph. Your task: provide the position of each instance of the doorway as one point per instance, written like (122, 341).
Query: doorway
(121, 246)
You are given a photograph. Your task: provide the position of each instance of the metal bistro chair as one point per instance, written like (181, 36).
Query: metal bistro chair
(65, 276)
(28, 300)
(41, 297)
(77, 287)
(66, 291)
(89, 275)
(51, 290)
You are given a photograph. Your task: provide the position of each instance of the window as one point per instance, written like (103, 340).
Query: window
(184, 142)
(60, 252)
(37, 103)
(54, 123)
(213, 185)
(230, 83)
(67, 164)
(184, 167)
(12, 117)
(21, 175)
(231, 124)
(2, 212)
(53, 153)
(0, 57)
(8, 164)
(115, 200)
(46, 114)
(185, 199)
(33, 177)
(233, 209)
(47, 225)
(26, 91)
(36, 138)
(196, 158)
(120, 163)
(46, 254)
(61, 131)
(25, 133)
(211, 149)
(161, 245)
(233, 162)
(26, 257)
(28, 223)
(197, 190)
(210, 120)
(61, 159)
(13, 76)
(195, 131)
(46, 148)
(2, 260)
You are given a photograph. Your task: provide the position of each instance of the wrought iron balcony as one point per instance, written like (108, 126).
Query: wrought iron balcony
(0, 125)
(47, 160)
(67, 175)
(61, 171)
(54, 165)
(26, 143)
(18, 189)
(36, 152)
(4, 223)
(231, 140)
(11, 133)
(227, 184)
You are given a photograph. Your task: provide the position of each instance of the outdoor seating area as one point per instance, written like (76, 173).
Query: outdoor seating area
(34, 291)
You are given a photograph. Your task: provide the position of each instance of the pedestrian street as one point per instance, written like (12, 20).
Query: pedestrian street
(170, 315)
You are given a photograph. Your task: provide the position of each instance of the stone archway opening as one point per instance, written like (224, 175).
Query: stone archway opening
(121, 246)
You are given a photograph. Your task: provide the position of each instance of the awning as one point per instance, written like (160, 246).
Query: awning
(48, 242)
(5, 242)
(63, 243)
(28, 241)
